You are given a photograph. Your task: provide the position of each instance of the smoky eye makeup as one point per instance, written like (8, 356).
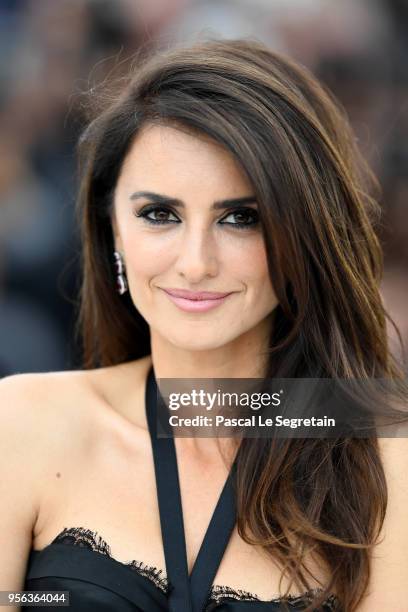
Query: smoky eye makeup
(243, 218)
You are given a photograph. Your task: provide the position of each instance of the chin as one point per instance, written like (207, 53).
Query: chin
(208, 342)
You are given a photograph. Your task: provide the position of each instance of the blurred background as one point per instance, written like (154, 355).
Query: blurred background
(52, 50)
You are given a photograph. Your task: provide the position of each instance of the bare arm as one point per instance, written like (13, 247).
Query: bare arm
(20, 476)
(388, 588)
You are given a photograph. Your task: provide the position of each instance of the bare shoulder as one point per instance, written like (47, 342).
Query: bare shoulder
(394, 457)
(51, 424)
(30, 399)
(49, 411)
(394, 449)
(34, 431)
(34, 398)
(122, 389)
(388, 586)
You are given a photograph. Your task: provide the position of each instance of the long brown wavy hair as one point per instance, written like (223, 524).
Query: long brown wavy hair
(318, 210)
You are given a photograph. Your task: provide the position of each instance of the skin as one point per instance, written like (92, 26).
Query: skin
(83, 456)
(88, 458)
(198, 253)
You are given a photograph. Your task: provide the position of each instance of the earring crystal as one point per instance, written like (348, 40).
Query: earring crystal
(121, 283)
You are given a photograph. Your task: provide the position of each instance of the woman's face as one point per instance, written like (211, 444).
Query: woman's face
(199, 247)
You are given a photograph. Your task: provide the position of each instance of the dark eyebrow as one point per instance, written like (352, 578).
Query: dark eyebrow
(161, 199)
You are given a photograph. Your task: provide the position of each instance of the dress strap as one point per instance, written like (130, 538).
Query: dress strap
(168, 493)
(187, 593)
(214, 544)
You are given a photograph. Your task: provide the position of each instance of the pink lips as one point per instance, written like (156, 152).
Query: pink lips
(196, 301)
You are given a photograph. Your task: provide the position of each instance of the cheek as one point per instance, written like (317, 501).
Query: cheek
(145, 256)
(254, 272)
(151, 255)
(253, 265)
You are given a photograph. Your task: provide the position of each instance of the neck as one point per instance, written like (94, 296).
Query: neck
(245, 357)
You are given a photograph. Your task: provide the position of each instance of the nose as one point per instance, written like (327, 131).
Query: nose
(197, 254)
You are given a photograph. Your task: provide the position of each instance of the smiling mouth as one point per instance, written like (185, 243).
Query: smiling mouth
(196, 295)
(197, 305)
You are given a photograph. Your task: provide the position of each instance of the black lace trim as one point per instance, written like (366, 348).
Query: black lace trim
(80, 536)
(220, 593)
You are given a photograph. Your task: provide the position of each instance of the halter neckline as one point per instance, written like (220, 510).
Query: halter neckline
(187, 593)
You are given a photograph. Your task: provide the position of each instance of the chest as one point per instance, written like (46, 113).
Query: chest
(112, 491)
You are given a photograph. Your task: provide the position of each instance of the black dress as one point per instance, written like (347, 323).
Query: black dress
(79, 561)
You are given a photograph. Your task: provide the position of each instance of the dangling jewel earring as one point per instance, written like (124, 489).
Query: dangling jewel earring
(121, 284)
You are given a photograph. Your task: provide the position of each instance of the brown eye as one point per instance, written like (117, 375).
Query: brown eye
(247, 218)
(161, 215)
(161, 211)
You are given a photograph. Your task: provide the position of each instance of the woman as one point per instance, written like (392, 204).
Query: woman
(221, 168)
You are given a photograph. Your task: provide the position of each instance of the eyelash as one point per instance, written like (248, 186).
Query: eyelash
(239, 226)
